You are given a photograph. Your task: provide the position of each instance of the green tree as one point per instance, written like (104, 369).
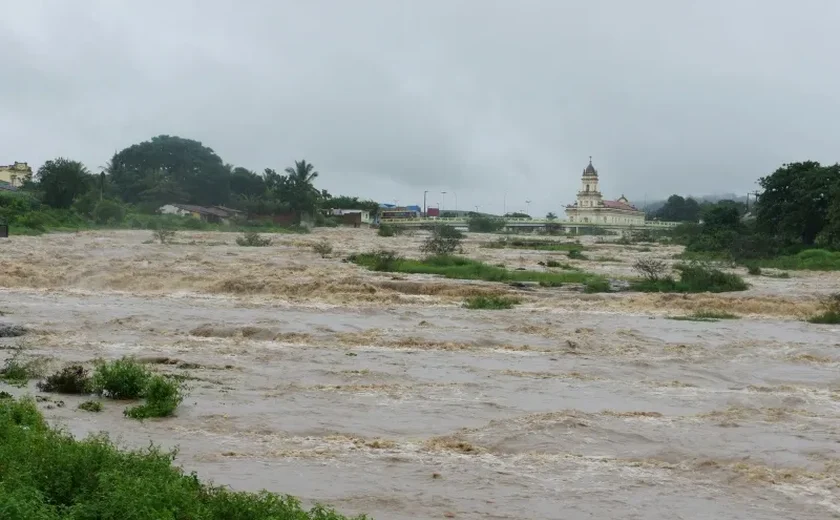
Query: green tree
(679, 209)
(551, 216)
(345, 202)
(108, 212)
(297, 189)
(245, 182)
(62, 180)
(184, 168)
(796, 201)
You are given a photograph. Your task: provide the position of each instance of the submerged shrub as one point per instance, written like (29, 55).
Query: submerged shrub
(323, 248)
(695, 277)
(753, 269)
(491, 302)
(70, 380)
(831, 311)
(18, 370)
(444, 240)
(650, 268)
(91, 406)
(163, 395)
(120, 379)
(253, 239)
(164, 236)
(576, 254)
(390, 230)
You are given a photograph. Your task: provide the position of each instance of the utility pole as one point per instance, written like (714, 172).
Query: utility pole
(528, 207)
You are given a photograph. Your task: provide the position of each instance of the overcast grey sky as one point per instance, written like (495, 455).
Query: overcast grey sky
(389, 98)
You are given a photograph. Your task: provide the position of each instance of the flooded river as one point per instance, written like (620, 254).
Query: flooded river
(380, 394)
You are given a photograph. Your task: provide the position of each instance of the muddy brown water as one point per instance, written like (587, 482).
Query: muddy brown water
(311, 377)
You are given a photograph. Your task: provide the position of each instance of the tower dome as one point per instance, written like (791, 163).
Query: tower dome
(590, 170)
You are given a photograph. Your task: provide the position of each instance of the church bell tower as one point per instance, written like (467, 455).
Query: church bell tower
(589, 195)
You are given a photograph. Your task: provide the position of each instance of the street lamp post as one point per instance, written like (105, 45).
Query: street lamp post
(425, 212)
(443, 204)
(528, 207)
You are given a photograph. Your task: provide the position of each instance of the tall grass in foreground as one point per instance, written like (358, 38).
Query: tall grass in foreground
(46, 474)
(467, 269)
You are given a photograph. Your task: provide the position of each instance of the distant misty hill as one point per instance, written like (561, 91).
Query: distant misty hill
(654, 205)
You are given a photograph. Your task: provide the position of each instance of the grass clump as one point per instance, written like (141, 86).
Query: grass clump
(458, 267)
(831, 311)
(536, 244)
(554, 264)
(120, 379)
(47, 474)
(91, 406)
(253, 239)
(706, 316)
(163, 395)
(576, 254)
(807, 260)
(694, 278)
(754, 269)
(72, 379)
(491, 302)
(18, 370)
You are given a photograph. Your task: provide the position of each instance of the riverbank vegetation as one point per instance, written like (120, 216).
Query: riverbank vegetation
(47, 474)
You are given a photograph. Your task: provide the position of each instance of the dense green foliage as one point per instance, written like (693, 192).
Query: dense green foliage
(46, 474)
(693, 278)
(72, 379)
(121, 379)
(484, 224)
(467, 269)
(796, 222)
(163, 395)
(138, 180)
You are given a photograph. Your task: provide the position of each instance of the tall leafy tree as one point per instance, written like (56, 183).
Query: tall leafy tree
(245, 182)
(188, 168)
(62, 180)
(679, 209)
(796, 200)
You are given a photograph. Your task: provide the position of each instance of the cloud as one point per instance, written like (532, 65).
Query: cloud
(499, 102)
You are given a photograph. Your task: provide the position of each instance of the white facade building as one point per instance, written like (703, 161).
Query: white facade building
(591, 207)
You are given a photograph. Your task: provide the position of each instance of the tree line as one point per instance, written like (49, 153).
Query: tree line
(797, 208)
(170, 169)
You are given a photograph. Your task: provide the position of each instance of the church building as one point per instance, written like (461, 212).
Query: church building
(591, 207)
